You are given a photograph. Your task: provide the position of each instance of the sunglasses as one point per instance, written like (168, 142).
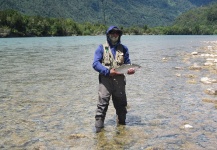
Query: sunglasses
(115, 32)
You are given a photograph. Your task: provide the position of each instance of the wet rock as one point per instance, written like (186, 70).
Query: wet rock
(178, 74)
(194, 53)
(210, 59)
(208, 64)
(209, 47)
(211, 91)
(208, 55)
(211, 62)
(187, 126)
(207, 80)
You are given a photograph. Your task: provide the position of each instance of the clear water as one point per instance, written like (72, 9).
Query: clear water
(48, 95)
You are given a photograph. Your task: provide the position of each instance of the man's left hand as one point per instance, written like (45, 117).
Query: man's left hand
(131, 71)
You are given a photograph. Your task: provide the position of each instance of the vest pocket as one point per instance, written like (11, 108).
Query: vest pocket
(120, 58)
(107, 60)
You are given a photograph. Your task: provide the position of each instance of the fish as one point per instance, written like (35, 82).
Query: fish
(124, 68)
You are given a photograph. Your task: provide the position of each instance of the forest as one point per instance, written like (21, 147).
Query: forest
(198, 21)
(133, 12)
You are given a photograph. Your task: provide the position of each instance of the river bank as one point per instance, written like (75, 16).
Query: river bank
(4, 32)
(204, 59)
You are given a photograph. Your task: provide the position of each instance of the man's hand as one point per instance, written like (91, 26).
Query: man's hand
(131, 71)
(113, 72)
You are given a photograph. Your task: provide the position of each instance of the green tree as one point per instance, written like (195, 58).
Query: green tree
(212, 14)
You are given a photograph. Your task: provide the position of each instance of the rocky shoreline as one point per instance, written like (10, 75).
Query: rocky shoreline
(4, 32)
(204, 59)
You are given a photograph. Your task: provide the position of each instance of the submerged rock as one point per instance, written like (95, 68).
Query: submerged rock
(195, 67)
(179, 68)
(210, 101)
(154, 148)
(77, 136)
(164, 59)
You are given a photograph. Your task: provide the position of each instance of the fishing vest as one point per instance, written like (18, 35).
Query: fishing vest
(108, 59)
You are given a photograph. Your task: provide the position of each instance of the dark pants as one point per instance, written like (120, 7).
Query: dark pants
(115, 87)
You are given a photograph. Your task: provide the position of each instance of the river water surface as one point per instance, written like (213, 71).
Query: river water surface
(48, 96)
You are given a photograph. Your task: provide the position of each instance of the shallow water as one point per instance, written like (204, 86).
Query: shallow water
(48, 95)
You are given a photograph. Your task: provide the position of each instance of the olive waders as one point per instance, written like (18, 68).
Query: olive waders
(111, 86)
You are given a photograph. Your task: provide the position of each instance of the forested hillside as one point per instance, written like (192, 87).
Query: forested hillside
(202, 20)
(119, 12)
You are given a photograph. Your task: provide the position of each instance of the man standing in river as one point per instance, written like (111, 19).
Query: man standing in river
(107, 57)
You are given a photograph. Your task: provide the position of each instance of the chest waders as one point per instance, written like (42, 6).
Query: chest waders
(111, 86)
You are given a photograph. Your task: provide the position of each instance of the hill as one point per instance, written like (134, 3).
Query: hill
(120, 12)
(202, 20)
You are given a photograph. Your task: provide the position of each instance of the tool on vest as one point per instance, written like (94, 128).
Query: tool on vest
(106, 57)
(106, 48)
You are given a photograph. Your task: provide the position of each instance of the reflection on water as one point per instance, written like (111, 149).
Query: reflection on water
(48, 96)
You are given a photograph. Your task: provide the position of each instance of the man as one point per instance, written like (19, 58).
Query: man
(107, 57)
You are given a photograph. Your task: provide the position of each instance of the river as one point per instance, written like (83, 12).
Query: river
(49, 92)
